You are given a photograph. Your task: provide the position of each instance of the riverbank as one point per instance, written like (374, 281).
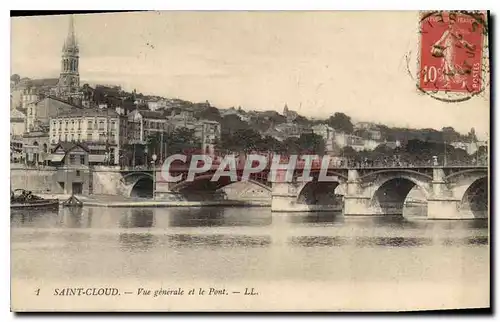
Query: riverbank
(117, 201)
(162, 203)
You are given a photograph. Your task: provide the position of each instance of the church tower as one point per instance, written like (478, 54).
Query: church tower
(69, 79)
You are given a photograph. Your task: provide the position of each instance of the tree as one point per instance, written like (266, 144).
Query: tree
(232, 123)
(348, 152)
(471, 136)
(363, 133)
(341, 122)
(311, 143)
(242, 140)
(15, 78)
(481, 155)
(177, 142)
(209, 113)
(449, 134)
(269, 143)
(133, 154)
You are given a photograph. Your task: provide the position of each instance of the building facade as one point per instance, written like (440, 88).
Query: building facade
(142, 124)
(208, 132)
(36, 147)
(17, 123)
(41, 112)
(104, 132)
(72, 161)
(328, 135)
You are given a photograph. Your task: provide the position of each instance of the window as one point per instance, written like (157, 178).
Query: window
(89, 124)
(72, 159)
(101, 125)
(89, 136)
(60, 125)
(78, 172)
(113, 125)
(82, 159)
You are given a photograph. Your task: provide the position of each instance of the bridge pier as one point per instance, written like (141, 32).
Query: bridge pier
(441, 204)
(355, 202)
(446, 208)
(283, 197)
(161, 191)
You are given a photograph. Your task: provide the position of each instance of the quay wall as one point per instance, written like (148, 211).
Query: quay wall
(36, 180)
(108, 183)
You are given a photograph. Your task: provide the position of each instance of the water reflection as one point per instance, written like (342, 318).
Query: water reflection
(137, 218)
(25, 217)
(477, 240)
(333, 217)
(397, 222)
(71, 218)
(392, 241)
(318, 241)
(472, 241)
(137, 241)
(132, 242)
(219, 240)
(167, 245)
(219, 217)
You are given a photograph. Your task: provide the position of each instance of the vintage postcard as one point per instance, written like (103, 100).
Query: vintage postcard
(250, 161)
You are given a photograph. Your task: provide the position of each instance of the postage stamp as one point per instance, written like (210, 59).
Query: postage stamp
(451, 52)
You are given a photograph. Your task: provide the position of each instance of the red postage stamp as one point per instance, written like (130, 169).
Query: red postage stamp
(451, 51)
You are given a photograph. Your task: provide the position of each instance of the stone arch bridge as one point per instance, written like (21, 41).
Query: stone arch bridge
(454, 192)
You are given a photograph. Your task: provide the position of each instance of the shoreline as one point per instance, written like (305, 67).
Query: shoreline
(110, 201)
(120, 202)
(173, 204)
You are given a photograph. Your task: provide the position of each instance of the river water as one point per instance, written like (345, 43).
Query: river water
(308, 261)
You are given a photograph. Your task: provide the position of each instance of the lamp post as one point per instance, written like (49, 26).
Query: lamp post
(153, 163)
(444, 155)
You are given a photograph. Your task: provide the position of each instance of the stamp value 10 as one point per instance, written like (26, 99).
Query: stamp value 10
(451, 52)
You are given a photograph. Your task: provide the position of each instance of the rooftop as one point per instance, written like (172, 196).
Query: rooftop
(67, 146)
(152, 114)
(39, 82)
(90, 113)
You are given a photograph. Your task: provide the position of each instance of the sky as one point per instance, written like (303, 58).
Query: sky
(317, 63)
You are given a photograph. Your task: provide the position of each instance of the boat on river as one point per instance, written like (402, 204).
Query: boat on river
(25, 199)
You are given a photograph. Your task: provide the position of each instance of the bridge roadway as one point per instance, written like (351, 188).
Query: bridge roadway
(451, 191)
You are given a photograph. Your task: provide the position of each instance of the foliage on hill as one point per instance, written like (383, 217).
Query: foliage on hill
(263, 121)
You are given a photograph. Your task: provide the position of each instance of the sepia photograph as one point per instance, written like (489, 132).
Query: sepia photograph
(250, 161)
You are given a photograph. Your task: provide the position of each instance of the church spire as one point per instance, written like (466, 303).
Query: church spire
(69, 79)
(70, 44)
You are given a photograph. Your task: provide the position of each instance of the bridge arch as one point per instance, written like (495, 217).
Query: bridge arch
(475, 199)
(203, 182)
(459, 182)
(316, 192)
(389, 189)
(138, 184)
